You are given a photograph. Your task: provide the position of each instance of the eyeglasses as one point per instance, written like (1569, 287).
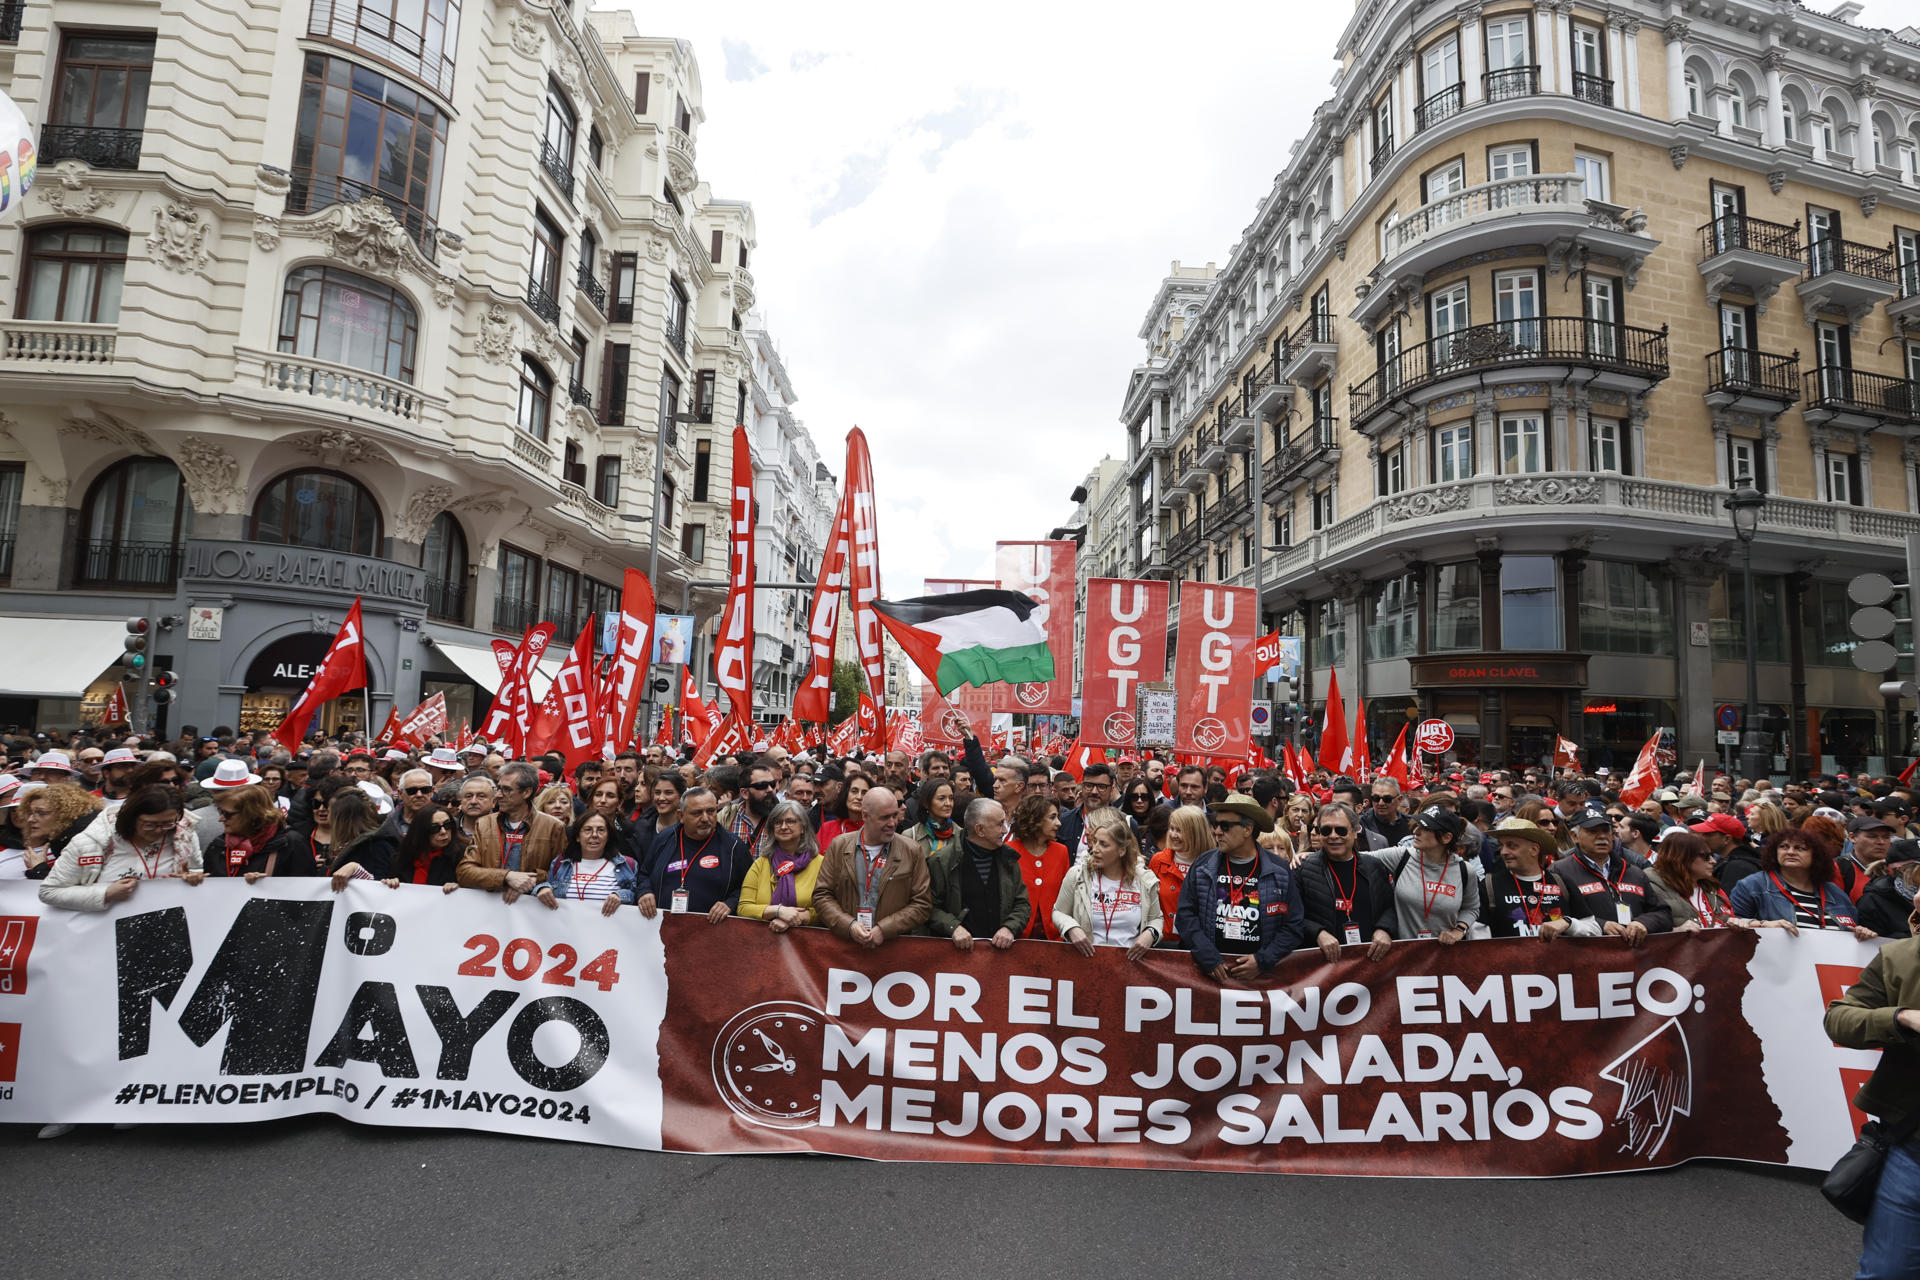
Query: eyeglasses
(439, 826)
(759, 786)
(419, 791)
(1503, 795)
(1335, 831)
(228, 813)
(1226, 824)
(320, 804)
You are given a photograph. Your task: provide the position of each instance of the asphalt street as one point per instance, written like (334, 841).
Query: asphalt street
(320, 1197)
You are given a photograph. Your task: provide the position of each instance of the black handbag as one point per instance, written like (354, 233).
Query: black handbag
(1853, 1184)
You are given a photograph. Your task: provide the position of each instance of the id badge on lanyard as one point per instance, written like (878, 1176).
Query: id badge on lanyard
(865, 917)
(1352, 933)
(1623, 913)
(679, 906)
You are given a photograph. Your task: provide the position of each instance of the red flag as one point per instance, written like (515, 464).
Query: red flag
(729, 738)
(1081, 754)
(512, 712)
(1362, 753)
(1334, 748)
(390, 730)
(1645, 777)
(1566, 755)
(423, 722)
(1213, 670)
(941, 721)
(1906, 774)
(863, 534)
(814, 699)
(632, 649)
(1044, 572)
(344, 668)
(116, 712)
(872, 724)
(1266, 655)
(816, 736)
(1397, 760)
(845, 736)
(663, 736)
(1307, 764)
(504, 652)
(733, 643)
(1126, 645)
(905, 734)
(697, 719)
(569, 716)
(465, 739)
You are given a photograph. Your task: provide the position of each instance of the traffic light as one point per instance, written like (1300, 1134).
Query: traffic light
(135, 658)
(163, 691)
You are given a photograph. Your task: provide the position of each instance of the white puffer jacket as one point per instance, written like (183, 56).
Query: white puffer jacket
(99, 855)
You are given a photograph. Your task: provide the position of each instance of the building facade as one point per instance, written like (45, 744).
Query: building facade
(310, 305)
(1538, 284)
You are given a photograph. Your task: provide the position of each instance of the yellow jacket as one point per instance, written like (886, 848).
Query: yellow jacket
(757, 893)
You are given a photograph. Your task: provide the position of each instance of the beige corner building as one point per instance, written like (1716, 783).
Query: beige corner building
(1539, 281)
(425, 304)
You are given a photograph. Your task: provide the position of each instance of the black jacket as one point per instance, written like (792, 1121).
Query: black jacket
(1884, 909)
(1317, 886)
(1390, 832)
(1742, 860)
(1503, 908)
(949, 912)
(287, 853)
(1589, 895)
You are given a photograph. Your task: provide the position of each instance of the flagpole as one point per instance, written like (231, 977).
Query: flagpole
(366, 713)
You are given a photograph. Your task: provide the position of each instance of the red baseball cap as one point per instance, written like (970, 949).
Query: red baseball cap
(1725, 823)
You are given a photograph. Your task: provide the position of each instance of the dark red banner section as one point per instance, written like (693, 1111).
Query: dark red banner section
(1492, 1059)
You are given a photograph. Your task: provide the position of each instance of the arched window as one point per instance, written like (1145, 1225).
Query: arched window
(134, 518)
(73, 275)
(318, 509)
(561, 124)
(333, 315)
(536, 398)
(444, 558)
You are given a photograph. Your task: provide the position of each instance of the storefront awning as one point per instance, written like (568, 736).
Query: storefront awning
(57, 657)
(480, 666)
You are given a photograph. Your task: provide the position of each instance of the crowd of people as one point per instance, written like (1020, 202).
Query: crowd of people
(1238, 869)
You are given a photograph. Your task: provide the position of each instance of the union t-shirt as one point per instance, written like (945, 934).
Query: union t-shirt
(1236, 907)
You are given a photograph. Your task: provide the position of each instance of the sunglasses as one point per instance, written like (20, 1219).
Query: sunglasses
(1226, 824)
(440, 826)
(419, 791)
(228, 813)
(759, 786)
(1335, 831)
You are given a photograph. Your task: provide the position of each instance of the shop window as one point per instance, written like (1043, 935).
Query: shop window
(318, 509)
(1726, 617)
(1623, 609)
(336, 316)
(1529, 603)
(1455, 621)
(1393, 618)
(1614, 729)
(1330, 635)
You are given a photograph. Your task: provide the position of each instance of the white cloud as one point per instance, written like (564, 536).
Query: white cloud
(962, 218)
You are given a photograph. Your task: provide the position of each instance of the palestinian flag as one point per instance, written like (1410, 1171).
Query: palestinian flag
(975, 637)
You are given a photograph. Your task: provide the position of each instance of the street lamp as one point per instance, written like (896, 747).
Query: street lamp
(1744, 505)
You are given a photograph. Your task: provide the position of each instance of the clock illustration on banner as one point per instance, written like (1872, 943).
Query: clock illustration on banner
(1031, 694)
(766, 1064)
(1209, 733)
(1118, 726)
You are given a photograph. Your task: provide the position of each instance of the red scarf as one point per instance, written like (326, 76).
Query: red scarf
(240, 849)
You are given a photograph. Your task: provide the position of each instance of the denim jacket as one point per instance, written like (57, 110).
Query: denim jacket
(626, 877)
(1283, 919)
(1758, 898)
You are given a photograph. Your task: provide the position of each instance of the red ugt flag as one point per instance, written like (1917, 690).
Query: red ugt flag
(344, 668)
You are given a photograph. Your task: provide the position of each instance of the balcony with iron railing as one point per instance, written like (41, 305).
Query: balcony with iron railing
(558, 166)
(1382, 155)
(1848, 277)
(1183, 541)
(677, 337)
(1272, 394)
(515, 615)
(100, 148)
(1508, 83)
(544, 304)
(127, 566)
(1209, 444)
(1307, 453)
(1597, 90)
(595, 292)
(1183, 476)
(447, 601)
(1855, 398)
(1441, 105)
(580, 394)
(1905, 309)
(1626, 358)
(11, 11)
(1752, 381)
(309, 192)
(1748, 253)
(1309, 351)
(1230, 509)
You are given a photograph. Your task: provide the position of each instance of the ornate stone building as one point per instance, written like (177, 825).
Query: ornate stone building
(310, 305)
(1537, 284)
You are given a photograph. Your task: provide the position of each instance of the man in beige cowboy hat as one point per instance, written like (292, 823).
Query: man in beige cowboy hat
(1240, 909)
(1524, 897)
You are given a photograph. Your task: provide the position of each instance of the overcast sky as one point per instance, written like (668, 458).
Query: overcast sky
(961, 223)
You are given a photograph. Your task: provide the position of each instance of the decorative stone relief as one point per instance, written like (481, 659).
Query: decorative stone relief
(1427, 502)
(367, 236)
(1516, 390)
(1678, 154)
(528, 39)
(1546, 491)
(340, 447)
(1776, 179)
(70, 192)
(422, 509)
(56, 490)
(212, 475)
(657, 249)
(104, 428)
(499, 336)
(1868, 203)
(179, 239)
(266, 232)
(567, 67)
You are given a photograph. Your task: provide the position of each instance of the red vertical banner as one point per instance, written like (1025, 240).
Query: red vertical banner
(813, 700)
(1213, 670)
(1126, 646)
(569, 715)
(733, 653)
(941, 722)
(864, 550)
(1044, 571)
(632, 651)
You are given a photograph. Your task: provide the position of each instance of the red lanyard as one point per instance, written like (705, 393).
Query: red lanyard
(686, 863)
(1431, 888)
(1237, 886)
(159, 853)
(873, 865)
(1538, 907)
(1342, 896)
(1821, 894)
(1613, 886)
(1106, 911)
(1706, 908)
(586, 880)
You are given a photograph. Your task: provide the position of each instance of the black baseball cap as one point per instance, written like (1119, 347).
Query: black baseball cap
(1439, 821)
(1589, 817)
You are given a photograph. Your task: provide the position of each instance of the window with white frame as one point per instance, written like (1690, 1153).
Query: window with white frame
(1523, 444)
(1843, 479)
(1746, 458)
(1607, 445)
(1510, 162)
(1506, 43)
(1453, 452)
(1390, 471)
(1283, 528)
(1516, 305)
(1323, 507)
(1592, 170)
(1694, 104)
(1600, 299)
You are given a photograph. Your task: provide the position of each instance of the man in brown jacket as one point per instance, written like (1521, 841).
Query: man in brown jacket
(513, 846)
(873, 883)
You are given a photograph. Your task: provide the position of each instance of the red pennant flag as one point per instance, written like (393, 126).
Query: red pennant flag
(1566, 755)
(729, 738)
(872, 724)
(1397, 760)
(697, 719)
(1334, 748)
(569, 717)
(863, 550)
(632, 649)
(816, 736)
(1080, 755)
(465, 739)
(512, 711)
(1362, 759)
(1906, 774)
(733, 643)
(344, 668)
(1645, 777)
(845, 737)
(663, 736)
(390, 731)
(814, 699)
(428, 720)
(116, 712)
(1266, 654)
